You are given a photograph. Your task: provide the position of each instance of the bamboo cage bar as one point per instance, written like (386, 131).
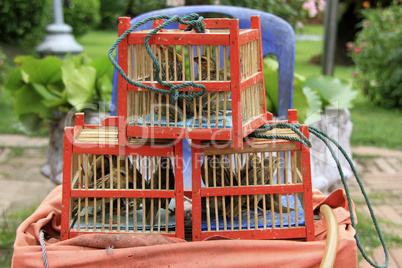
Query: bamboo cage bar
(222, 66)
(121, 189)
(263, 189)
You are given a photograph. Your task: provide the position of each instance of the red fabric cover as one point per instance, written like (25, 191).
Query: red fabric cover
(147, 250)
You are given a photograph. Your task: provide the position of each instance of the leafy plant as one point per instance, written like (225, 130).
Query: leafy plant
(311, 95)
(137, 7)
(23, 22)
(82, 16)
(5, 66)
(110, 10)
(377, 54)
(47, 88)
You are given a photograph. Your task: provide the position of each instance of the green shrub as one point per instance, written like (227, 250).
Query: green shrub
(23, 23)
(5, 67)
(377, 54)
(137, 7)
(83, 16)
(110, 11)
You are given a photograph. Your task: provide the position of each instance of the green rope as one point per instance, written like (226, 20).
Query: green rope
(324, 137)
(193, 21)
(303, 140)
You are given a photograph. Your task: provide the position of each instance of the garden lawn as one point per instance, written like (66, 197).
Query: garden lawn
(97, 43)
(376, 126)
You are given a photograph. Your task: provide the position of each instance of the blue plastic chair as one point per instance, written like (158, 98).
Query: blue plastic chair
(278, 38)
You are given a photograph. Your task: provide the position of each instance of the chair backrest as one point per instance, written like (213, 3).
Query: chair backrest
(278, 38)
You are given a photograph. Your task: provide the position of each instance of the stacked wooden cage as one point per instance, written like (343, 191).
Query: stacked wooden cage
(260, 192)
(241, 188)
(226, 59)
(110, 188)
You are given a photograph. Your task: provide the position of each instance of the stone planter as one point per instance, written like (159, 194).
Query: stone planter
(53, 169)
(324, 172)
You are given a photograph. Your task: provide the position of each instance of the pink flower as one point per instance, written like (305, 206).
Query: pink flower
(321, 5)
(310, 7)
(357, 50)
(355, 74)
(350, 46)
(217, 2)
(299, 25)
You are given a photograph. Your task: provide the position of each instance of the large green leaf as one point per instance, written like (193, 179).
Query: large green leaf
(300, 101)
(67, 70)
(314, 111)
(42, 71)
(103, 66)
(81, 86)
(28, 101)
(105, 88)
(14, 81)
(333, 91)
(44, 92)
(271, 84)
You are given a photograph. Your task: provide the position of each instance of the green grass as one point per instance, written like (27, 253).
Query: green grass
(376, 126)
(369, 237)
(97, 44)
(305, 50)
(9, 223)
(313, 29)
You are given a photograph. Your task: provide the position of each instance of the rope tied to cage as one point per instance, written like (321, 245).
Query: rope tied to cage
(193, 21)
(325, 138)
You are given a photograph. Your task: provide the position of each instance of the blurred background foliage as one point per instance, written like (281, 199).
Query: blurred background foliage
(377, 54)
(82, 16)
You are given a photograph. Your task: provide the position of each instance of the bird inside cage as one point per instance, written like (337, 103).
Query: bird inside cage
(252, 173)
(216, 172)
(171, 64)
(277, 207)
(107, 176)
(211, 74)
(162, 179)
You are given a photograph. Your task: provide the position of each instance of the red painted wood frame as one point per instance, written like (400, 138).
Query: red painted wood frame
(234, 39)
(301, 232)
(71, 147)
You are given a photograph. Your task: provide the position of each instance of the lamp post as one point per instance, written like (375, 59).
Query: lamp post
(58, 41)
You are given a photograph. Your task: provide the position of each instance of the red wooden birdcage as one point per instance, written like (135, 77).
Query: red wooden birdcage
(225, 59)
(260, 192)
(110, 188)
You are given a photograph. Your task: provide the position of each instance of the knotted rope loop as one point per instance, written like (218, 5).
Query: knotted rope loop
(193, 21)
